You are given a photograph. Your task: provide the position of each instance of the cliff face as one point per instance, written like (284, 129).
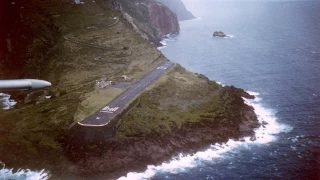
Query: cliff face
(182, 112)
(151, 19)
(28, 30)
(179, 8)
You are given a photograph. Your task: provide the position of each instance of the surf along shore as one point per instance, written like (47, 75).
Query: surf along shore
(181, 113)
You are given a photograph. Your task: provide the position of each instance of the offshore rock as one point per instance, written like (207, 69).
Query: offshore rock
(219, 34)
(151, 19)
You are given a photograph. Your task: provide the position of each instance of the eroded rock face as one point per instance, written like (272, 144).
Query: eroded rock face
(117, 156)
(151, 19)
(135, 154)
(179, 8)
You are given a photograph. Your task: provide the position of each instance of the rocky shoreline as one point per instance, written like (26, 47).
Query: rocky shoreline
(182, 112)
(114, 157)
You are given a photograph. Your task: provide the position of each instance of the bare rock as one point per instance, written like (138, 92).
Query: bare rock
(219, 34)
(151, 19)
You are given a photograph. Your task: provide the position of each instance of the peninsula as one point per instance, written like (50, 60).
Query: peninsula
(92, 52)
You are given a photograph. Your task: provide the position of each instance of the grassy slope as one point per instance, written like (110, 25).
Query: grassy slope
(177, 99)
(31, 132)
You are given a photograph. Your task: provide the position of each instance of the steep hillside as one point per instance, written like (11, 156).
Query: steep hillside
(78, 47)
(152, 20)
(178, 8)
(27, 33)
(72, 46)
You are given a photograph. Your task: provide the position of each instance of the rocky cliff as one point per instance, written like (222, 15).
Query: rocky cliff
(151, 19)
(181, 112)
(173, 117)
(178, 7)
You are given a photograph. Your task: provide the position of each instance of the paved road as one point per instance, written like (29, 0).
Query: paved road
(110, 110)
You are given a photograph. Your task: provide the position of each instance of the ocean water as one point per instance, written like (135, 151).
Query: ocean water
(273, 52)
(22, 174)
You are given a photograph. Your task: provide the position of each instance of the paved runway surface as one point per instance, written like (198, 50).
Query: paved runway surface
(110, 110)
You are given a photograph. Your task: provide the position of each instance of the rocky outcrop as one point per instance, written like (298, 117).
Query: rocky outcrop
(239, 92)
(151, 19)
(219, 34)
(179, 8)
(119, 155)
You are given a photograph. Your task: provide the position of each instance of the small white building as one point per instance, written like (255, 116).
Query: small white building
(77, 1)
(124, 77)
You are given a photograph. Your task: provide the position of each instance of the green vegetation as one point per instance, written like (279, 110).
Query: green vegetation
(181, 98)
(32, 132)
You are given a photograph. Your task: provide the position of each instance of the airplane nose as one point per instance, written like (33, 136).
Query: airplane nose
(38, 84)
(48, 84)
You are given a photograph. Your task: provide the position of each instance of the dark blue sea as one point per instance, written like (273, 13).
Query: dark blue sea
(273, 52)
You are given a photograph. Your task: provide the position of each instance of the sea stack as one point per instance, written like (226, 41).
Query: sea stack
(219, 34)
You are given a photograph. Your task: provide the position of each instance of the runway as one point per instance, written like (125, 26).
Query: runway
(112, 109)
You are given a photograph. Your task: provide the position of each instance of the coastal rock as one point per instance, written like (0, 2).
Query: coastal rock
(38, 129)
(134, 153)
(219, 34)
(151, 19)
(178, 8)
(240, 92)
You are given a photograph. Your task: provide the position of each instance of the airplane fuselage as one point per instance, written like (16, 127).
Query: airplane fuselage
(23, 84)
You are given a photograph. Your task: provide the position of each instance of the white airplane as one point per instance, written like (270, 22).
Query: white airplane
(23, 84)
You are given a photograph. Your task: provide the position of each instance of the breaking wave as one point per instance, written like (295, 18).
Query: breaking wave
(228, 36)
(165, 39)
(197, 18)
(263, 135)
(6, 102)
(22, 174)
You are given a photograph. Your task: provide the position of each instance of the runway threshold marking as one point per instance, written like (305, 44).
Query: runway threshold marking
(107, 109)
(162, 67)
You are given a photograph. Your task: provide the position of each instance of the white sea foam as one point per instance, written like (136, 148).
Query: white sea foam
(165, 39)
(263, 135)
(221, 84)
(6, 102)
(229, 36)
(198, 18)
(164, 44)
(23, 174)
